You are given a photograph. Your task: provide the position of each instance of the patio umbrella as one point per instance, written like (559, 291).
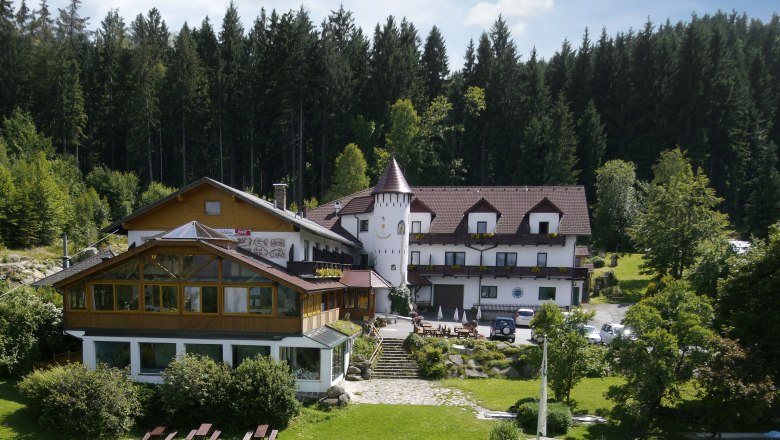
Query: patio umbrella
(456, 314)
(465, 318)
(479, 313)
(439, 316)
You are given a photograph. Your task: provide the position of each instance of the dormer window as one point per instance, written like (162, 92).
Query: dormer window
(481, 227)
(416, 227)
(544, 227)
(213, 207)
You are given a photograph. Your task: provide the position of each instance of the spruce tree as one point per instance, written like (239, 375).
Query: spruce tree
(591, 147)
(763, 207)
(560, 159)
(434, 64)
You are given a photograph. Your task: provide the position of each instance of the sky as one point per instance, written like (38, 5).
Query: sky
(542, 24)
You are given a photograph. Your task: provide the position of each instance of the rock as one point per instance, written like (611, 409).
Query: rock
(511, 373)
(473, 374)
(462, 349)
(353, 370)
(456, 359)
(327, 402)
(343, 400)
(12, 258)
(367, 373)
(28, 258)
(27, 264)
(335, 391)
(85, 253)
(471, 363)
(496, 372)
(359, 358)
(37, 275)
(353, 378)
(502, 346)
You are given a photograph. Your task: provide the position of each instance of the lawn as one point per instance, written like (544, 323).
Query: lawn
(500, 394)
(631, 281)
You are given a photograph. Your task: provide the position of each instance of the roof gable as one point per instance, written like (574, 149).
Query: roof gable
(483, 206)
(392, 180)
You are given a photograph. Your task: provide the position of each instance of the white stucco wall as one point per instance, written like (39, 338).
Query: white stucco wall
(487, 217)
(390, 250)
(536, 217)
(557, 255)
(505, 286)
(425, 221)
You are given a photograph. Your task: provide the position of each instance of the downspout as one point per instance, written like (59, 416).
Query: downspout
(479, 287)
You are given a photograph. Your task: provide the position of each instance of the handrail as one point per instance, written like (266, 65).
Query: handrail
(375, 333)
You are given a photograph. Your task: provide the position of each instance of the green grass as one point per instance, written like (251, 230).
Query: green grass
(17, 421)
(41, 253)
(631, 281)
(500, 394)
(378, 422)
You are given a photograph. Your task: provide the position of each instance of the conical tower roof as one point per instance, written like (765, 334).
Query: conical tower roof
(392, 181)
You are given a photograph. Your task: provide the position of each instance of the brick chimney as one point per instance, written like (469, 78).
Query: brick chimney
(280, 195)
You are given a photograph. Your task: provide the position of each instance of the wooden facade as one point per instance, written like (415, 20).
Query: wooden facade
(234, 213)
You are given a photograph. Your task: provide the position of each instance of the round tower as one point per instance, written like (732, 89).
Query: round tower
(389, 243)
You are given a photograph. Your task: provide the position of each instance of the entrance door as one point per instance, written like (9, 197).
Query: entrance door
(448, 296)
(575, 296)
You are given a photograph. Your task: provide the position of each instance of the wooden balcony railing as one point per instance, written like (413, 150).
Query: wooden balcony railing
(568, 273)
(489, 239)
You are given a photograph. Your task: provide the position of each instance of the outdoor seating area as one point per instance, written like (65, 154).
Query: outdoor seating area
(429, 329)
(205, 432)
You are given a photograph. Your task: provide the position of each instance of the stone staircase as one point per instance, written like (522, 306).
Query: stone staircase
(395, 362)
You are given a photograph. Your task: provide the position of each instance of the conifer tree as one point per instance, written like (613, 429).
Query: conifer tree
(591, 146)
(763, 207)
(434, 64)
(560, 158)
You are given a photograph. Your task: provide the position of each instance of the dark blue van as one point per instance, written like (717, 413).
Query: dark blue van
(503, 328)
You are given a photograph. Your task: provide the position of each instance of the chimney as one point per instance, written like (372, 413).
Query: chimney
(280, 195)
(65, 257)
(338, 206)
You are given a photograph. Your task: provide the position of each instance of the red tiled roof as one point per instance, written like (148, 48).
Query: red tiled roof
(358, 205)
(581, 251)
(514, 203)
(483, 205)
(392, 181)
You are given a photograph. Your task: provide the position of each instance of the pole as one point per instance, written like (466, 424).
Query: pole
(541, 423)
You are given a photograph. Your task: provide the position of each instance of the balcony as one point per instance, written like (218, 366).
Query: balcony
(317, 269)
(561, 273)
(489, 239)
(320, 319)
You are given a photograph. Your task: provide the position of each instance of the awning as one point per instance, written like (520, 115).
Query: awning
(366, 279)
(414, 279)
(326, 336)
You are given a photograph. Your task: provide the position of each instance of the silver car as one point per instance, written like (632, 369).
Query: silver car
(591, 334)
(613, 330)
(523, 317)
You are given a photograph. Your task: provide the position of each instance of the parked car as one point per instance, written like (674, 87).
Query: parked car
(502, 328)
(611, 331)
(524, 317)
(591, 334)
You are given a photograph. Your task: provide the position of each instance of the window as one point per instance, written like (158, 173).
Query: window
(200, 299)
(161, 298)
(287, 302)
(544, 227)
(363, 259)
(416, 227)
(546, 293)
(363, 225)
(453, 258)
(261, 300)
(304, 362)
(305, 250)
(337, 361)
(236, 300)
(200, 268)
(162, 268)
(541, 259)
(489, 292)
(77, 297)
(243, 352)
(155, 357)
(213, 207)
(213, 351)
(327, 248)
(481, 227)
(235, 273)
(504, 259)
(124, 271)
(112, 354)
(415, 257)
(127, 297)
(103, 296)
(362, 300)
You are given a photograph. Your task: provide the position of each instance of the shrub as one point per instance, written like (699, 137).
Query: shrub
(598, 262)
(431, 362)
(504, 431)
(84, 403)
(364, 346)
(195, 388)
(596, 361)
(31, 327)
(613, 292)
(400, 300)
(558, 417)
(413, 342)
(263, 391)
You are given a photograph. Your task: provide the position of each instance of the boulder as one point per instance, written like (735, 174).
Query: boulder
(462, 349)
(12, 258)
(335, 391)
(344, 399)
(502, 346)
(456, 359)
(473, 374)
(511, 373)
(28, 258)
(353, 370)
(353, 378)
(327, 402)
(367, 373)
(471, 363)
